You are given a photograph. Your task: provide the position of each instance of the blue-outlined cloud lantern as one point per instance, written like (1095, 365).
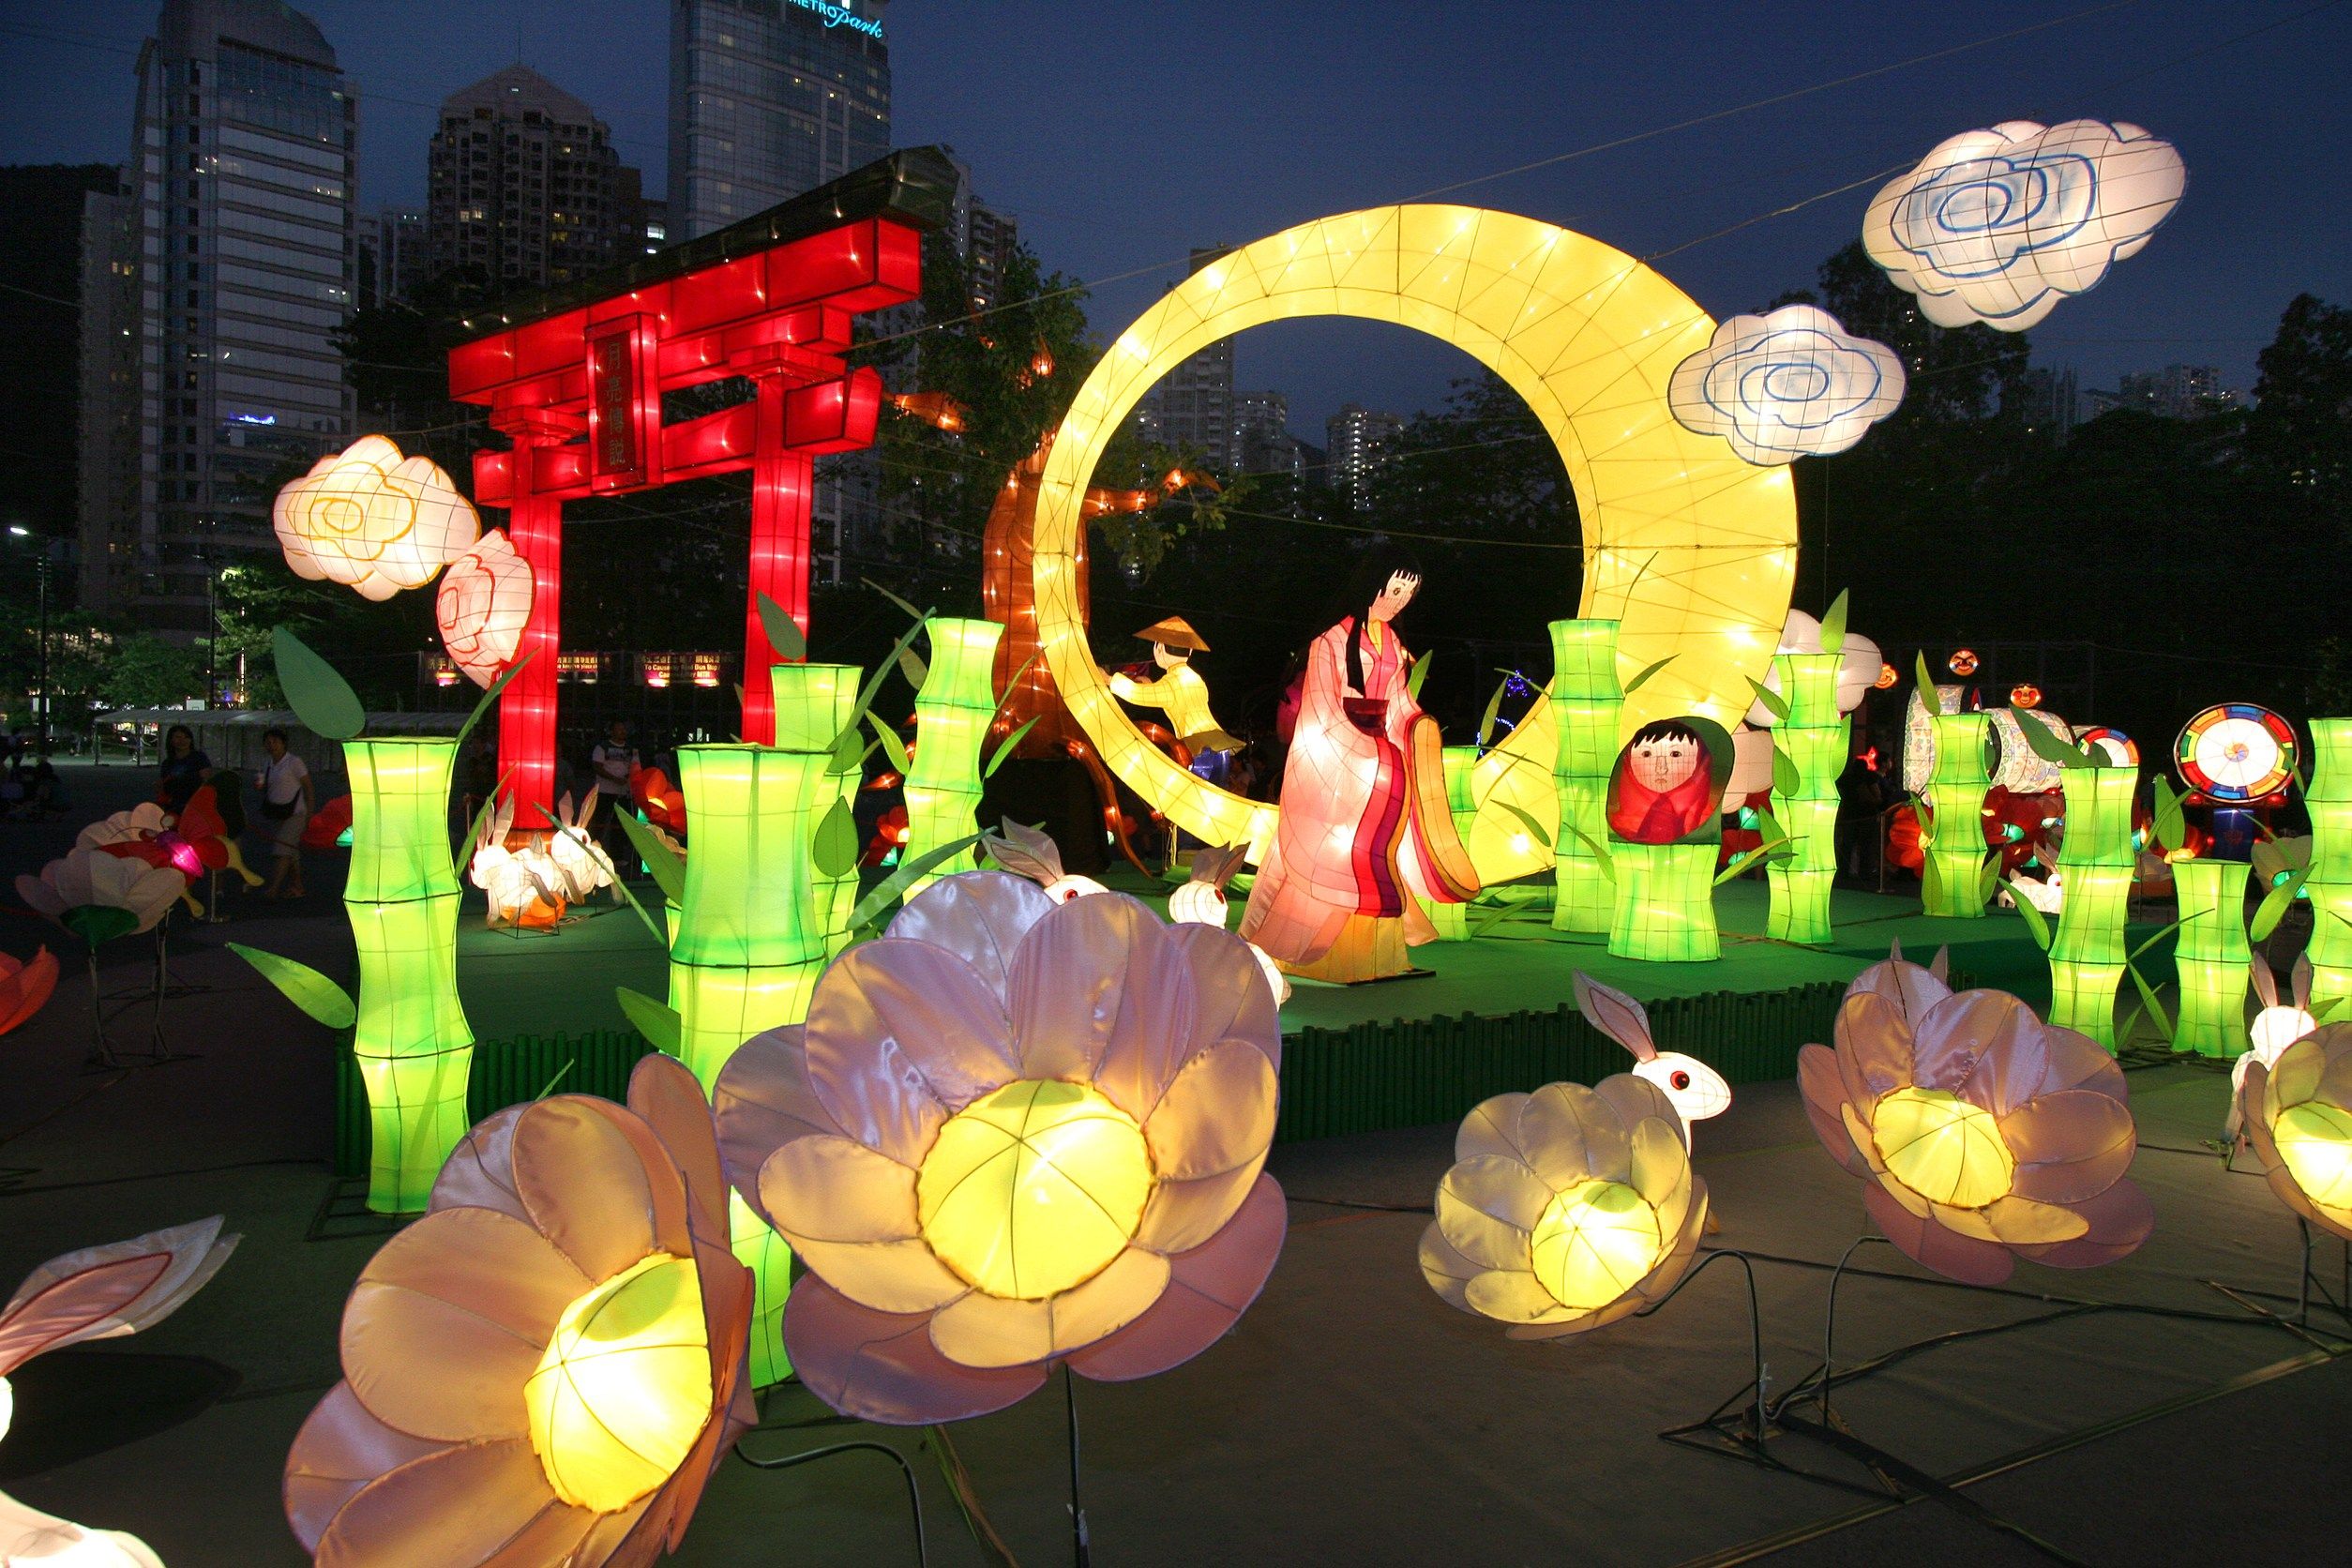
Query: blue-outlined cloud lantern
(1792, 384)
(1997, 226)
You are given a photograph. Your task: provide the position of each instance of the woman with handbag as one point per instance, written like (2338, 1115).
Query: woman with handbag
(284, 786)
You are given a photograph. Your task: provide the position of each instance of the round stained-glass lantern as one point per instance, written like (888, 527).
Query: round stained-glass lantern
(2236, 752)
(2119, 750)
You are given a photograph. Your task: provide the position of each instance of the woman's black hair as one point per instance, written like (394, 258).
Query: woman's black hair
(1665, 729)
(1376, 564)
(274, 733)
(178, 729)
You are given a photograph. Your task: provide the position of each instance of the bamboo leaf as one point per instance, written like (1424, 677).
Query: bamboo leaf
(2046, 744)
(895, 885)
(1642, 678)
(661, 933)
(474, 829)
(1988, 877)
(1535, 829)
(835, 847)
(893, 747)
(1486, 719)
(2171, 820)
(783, 633)
(1834, 626)
(1931, 883)
(322, 699)
(658, 1021)
(1421, 673)
(1924, 679)
(911, 665)
(1786, 780)
(2148, 1000)
(1600, 852)
(850, 748)
(663, 863)
(325, 1001)
(2037, 924)
(919, 615)
(1006, 748)
(491, 696)
(2274, 906)
(1774, 703)
(2132, 957)
(1742, 862)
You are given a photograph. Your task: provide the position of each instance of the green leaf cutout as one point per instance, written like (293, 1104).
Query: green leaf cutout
(1005, 747)
(1421, 673)
(1534, 828)
(657, 1021)
(1642, 679)
(1786, 780)
(895, 885)
(834, 850)
(911, 665)
(1924, 679)
(2037, 924)
(325, 1001)
(2148, 1000)
(1774, 703)
(920, 616)
(2275, 904)
(1931, 883)
(1600, 852)
(2046, 744)
(491, 697)
(1834, 626)
(322, 699)
(667, 869)
(893, 747)
(783, 632)
(1988, 876)
(2171, 823)
(1486, 719)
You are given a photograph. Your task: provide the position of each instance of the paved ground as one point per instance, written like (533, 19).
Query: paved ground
(1351, 1417)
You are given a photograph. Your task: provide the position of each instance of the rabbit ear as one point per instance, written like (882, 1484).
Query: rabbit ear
(1025, 851)
(563, 807)
(2265, 986)
(63, 1311)
(587, 808)
(2301, 979)
(1615, 1015)
(1216, 867)
(1940, 965)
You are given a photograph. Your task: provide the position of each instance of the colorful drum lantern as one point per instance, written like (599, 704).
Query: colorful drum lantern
(2236, 752)
(2119, 747)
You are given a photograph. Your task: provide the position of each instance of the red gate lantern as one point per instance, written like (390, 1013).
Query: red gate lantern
(574, 378)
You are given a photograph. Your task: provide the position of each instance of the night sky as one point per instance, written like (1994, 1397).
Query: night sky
(1123, 132)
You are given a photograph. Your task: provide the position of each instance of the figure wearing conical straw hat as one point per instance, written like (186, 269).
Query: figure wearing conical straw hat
(1179, 692)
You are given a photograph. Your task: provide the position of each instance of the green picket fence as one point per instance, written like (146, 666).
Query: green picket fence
(1368, 1077)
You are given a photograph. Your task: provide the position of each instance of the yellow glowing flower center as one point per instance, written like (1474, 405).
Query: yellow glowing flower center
(1943, 1148)
(1034, 1188)
(624, 1387)
(2315, 1139)
(1595, 1243)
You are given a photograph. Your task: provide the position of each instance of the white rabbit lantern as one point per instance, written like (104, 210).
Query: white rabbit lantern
(2278, 1026)
(1696, 1089)
(1201, 901)
(1027, 853)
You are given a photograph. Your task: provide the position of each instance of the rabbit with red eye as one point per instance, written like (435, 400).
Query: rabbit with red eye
(1025, 851)
(1696, 1089)
(2275, 1028)
(1201, 901)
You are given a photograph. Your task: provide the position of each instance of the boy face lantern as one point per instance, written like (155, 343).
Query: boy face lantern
(1667, 787)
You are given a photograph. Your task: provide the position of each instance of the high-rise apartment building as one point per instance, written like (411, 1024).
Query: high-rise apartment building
(989, 237)
(2047, 401)
(522, 185)
(1357, 439)
(1262, 441)
(233, 246)
(40, 337)
(769, 98)
(1192, 406)
(393, 258)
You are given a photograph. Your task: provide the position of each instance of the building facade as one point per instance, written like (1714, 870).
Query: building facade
(393, 258)
(1357, 438)
(523, 188)
(2049, 401)
(41, 279)
(233, 244)
(769, 98)
(1192, 406)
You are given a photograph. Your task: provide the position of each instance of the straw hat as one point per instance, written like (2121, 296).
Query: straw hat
(1174, 632)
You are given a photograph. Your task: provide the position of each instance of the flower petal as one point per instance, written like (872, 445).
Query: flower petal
(1908, 988)
(1181, 1215)
(762, 1101)
(830, 1190)
(2021, 1221)
(1099, 976)
(1514, 1296)
(980, 916)
(984, 1330)
(457, 1508)
(1229, 1000)
(1659, 1165)
(1208, 1290)
(479, 1172)
(2070, 1146)
(1874, 1048)
(598, 1183)
(1932, 1247)
(881, 1366)
(339, 1449)
(1487, 1207)
(1971, 1028)
(1824, 1091)
(2116, 1220)
(1447, 1271)
(1492, 1127)
(900, 1034)
(665, 1093)
(450, 1317)
(1572, 1133)
(1218, 1115)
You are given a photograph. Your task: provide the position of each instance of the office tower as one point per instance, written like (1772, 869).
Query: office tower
(1262, 443)
(393, 256)
(769, 98)
(989, 237)
(523, 189)
(1192, 406)
(234, 247)
(40, 338)
(1357, 438)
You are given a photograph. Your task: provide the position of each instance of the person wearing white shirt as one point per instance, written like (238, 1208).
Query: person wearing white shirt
(284, 786)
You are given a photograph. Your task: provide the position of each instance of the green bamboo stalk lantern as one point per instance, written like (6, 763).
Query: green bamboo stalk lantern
(2329, 884)
(1586, 706)
(1814, 737)
(2211, 960)
(2095, 862)
(1955, 792)
(814, 704)
(952, 716)
(1664, 908)
(1453, 920)
(413, 1045)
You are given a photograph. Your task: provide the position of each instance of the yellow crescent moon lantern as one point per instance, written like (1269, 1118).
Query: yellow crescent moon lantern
(1691, 549)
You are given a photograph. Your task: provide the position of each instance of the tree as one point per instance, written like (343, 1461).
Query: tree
(145, 671)
(2302, 425)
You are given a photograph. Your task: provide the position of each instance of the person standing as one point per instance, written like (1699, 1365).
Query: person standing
(614, 762)
(284, 786)
(183, 769)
